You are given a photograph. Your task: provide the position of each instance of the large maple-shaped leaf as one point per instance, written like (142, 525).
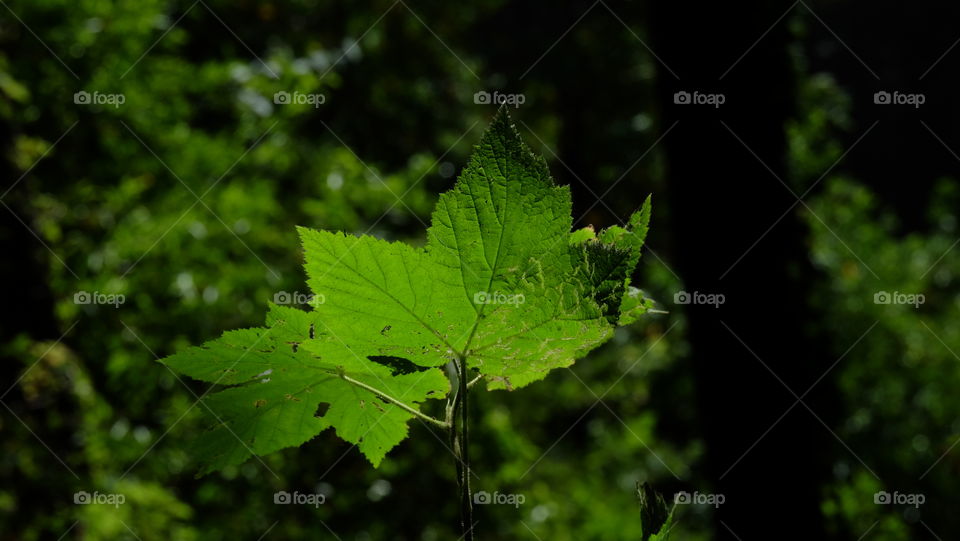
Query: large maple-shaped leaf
(502, 285)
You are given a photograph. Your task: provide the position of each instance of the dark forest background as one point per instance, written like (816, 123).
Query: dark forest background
(804, 199)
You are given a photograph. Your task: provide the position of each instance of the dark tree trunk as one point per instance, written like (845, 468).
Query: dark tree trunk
(901, 47)
(722, 201)
(28, 310)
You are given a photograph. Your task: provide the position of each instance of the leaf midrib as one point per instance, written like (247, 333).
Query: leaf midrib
(496, 261)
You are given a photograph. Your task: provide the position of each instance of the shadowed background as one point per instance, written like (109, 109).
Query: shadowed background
(803, 201)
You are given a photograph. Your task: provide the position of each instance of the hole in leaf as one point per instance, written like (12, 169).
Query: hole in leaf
(397, 365)
(322, 408)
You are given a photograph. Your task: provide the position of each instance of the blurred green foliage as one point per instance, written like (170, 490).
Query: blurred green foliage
(896, 362)
(184, 199)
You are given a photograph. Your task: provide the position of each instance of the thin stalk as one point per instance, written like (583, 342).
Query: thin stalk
(463, 452)
(388, 398)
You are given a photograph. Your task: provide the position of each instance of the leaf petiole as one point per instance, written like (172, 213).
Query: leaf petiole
(393, 400)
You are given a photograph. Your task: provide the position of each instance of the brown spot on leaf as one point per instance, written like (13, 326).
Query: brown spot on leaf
(506, 382)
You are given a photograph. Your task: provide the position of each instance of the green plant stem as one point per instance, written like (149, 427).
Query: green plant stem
(388, 398)
(458, 437)
(463, 454)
